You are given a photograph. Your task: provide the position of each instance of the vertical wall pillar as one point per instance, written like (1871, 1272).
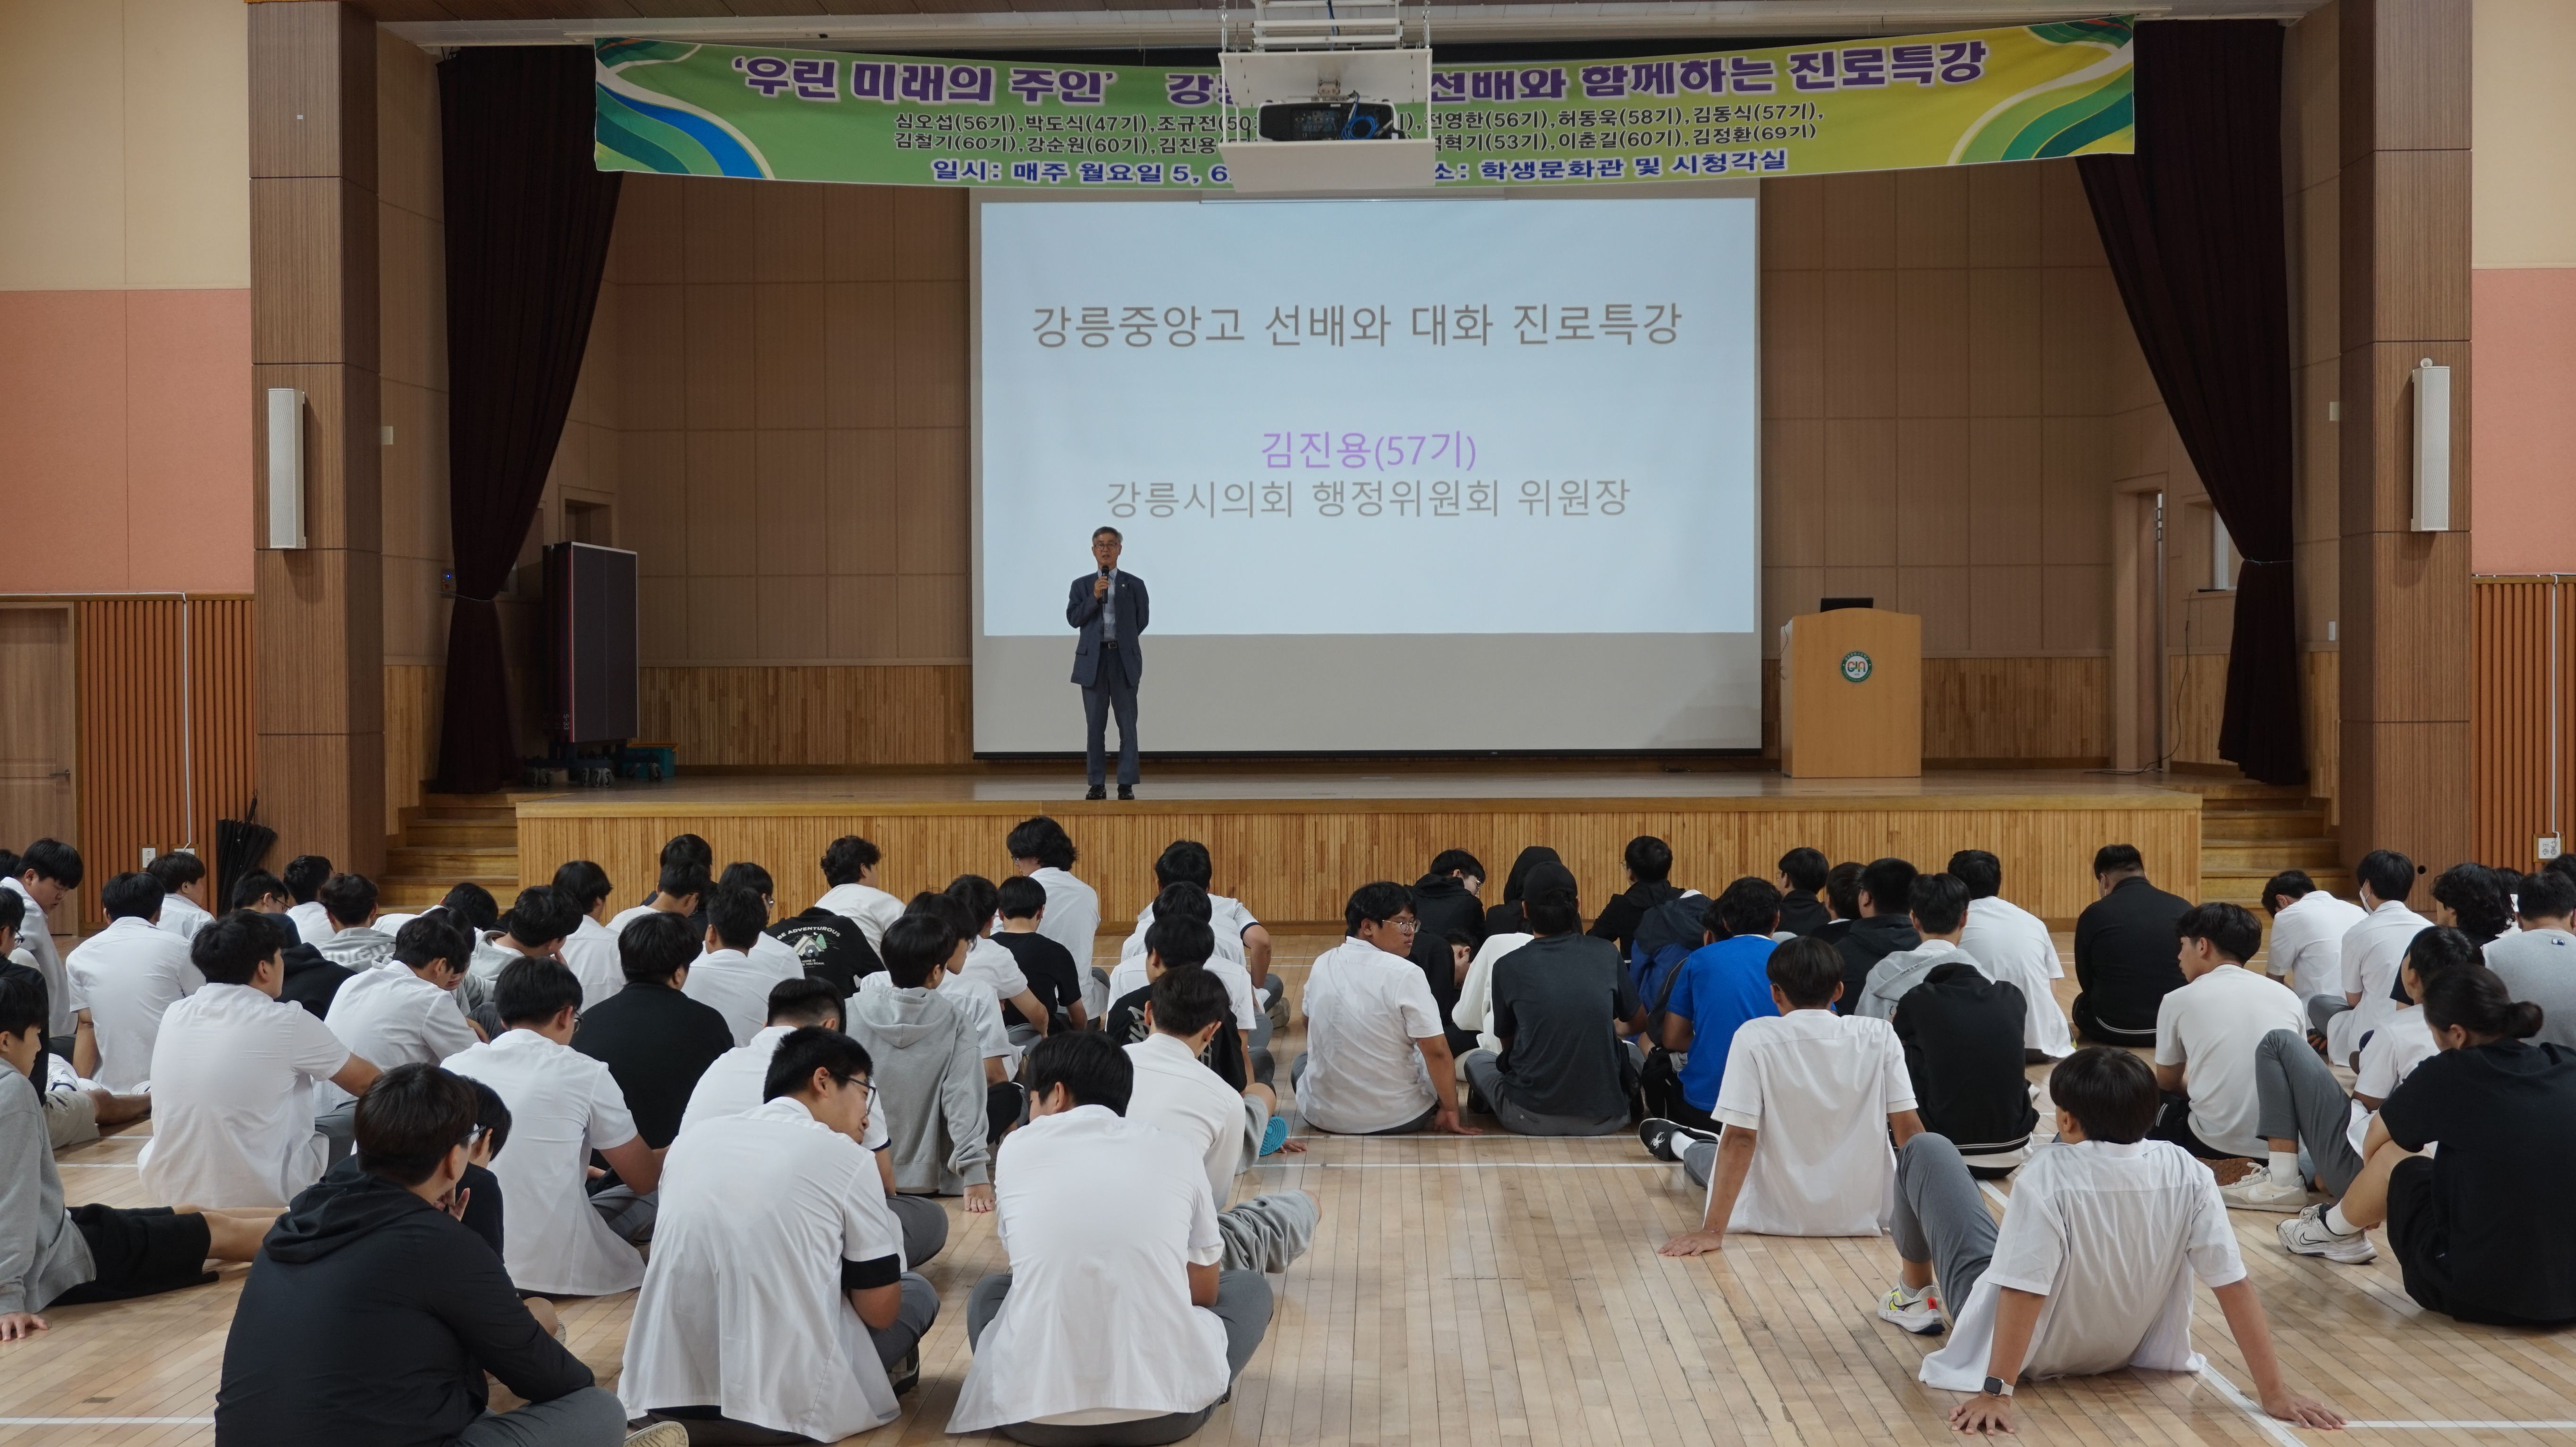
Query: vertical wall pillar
(314, 327)
(2405, 297)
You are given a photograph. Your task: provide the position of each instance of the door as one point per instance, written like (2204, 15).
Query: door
(39, 714)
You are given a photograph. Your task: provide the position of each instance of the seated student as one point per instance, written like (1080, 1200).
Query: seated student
(184, 889)
(1116, 1323)
(1650, 867)
(725, 978)
(563, 1106)
(405, 1014)
(1962, 1034)
(1842, 901)
(2013, 945)
(1227, 1127)
(2091, 1269)
(304, 876)
(1561, 1004)
(1184, 899)
(2475, 900)
(2209, 1033)
(1040, 850)
(349, 903)
(1506, 918)
(43, 878)
(997, 965)
(123, 979)
(929, 1064)
(2538, 962)
(1719, 986)
(538, 923)
(1444, 899)
(234, 1071)
(2125, 950)
(681, 888)
(2369, 957)
(1884, 927)
(1003, 1097)
(1049, 968)
(372, 1314)
(1240, 939)
(766, 951)
(2308, 926)
(1377, 1061)
(850, 888)
(829, 946)
(1808, 1102)
(2310, 1127)
(1802, 874)
(2480, 1230)
(74, 1108)
(590, 951)
(777, 1302)
(50, 1256)
(732, 1086)
(258, 890)
(656, 1042)
(1937, 908)
(1179, 942)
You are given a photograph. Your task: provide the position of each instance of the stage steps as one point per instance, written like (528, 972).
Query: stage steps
(2250, 832)
(447, 838)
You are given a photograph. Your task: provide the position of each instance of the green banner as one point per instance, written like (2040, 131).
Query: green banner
(2011, 94)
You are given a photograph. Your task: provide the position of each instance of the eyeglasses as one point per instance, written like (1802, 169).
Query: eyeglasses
(1408, 926)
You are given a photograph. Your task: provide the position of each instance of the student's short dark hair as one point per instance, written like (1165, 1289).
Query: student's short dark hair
(844, 857)
(431, 936)
(542, 915)
(809, 1048)
(584, 883)
(951, 911)
(410, 1119)
(1088, 1064)
(804, 1000)
(1749, 906)
(24, 1003)
(348, 899)
(2390, 875)
(1890, 884)
(1378, 902)
(2292, 882)
(473, 904)
(1460, 939)
(253, 887)
(228, 951)
(737, 917)
(915, 946)
(1020, 897)
(1181, 899)
(2117, 859)
(743, 874)
(979, 896)
(1457, 861)
(176, 870)
(13, 909)
(2478, 896)
(304, 876)
(1180, 942)
(1981, 871)
(2434, 952)
(1648, 858)
(1938, 901)
(1805, 868)
(690, 849)
(2110, 1092)
(2229, 928)
(1043, 840)
(1842, 890)
(2564, 864)
(1184, 861)
(2547, 894)
(130, 895)
(493, 1114)
(2477, 1000)
(1188, 1001)
(1808, 971)
(683, 879)
(1551, 903)
(654, 947)
(52, 859)
(532, 991)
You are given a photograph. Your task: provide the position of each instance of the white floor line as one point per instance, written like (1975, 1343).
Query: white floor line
(1486, 1165)
(1995, 1194)
(2493, 1426)
(98, 1165)
(2272, 1427)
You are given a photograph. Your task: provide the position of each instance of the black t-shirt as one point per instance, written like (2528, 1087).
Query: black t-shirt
(833, 947)
(1050, 970)
(1962, 1036)
(1618, 919)
(656, 1042)
(1224, 1052)
(2505, 1115)
(2126, 946)
(1557, 1006)
(310, 980)
(1442, 903)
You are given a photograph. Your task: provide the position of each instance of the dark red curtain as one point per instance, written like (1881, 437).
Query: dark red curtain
(2193, 227)
(527, 237)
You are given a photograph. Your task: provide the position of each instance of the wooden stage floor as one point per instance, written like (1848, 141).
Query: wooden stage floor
(1502, 1290)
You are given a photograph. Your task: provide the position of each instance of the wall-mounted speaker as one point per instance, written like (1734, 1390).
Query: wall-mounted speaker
(2432, 448)
(285, 467)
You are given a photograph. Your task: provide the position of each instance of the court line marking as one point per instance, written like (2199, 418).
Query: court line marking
(2273, 1427)
(98, 1166)
(1482, 1165)
(2493, 1426)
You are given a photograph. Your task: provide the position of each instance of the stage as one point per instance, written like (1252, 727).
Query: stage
(1294, 840)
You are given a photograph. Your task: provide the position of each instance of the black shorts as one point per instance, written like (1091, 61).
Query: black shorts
(139, 1252)
(2420, 1236)
(2175, 1125)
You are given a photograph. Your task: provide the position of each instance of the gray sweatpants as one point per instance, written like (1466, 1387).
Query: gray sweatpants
(925, 1227)
(628, 1212)
(1485, 1076)
(2297, 1099)
(1242, 1303)
(1941, 1218)
(591, 1417)
(1268, 1232)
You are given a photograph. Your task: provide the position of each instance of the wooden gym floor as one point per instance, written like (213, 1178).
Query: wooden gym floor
(1506, 1290)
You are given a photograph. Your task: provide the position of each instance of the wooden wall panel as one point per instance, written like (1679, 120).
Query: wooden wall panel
(2322, 704)
(2008, 712)
(2522, 624)
(816, 717)
(2195, 704)
(1297, 861)
(412, 702)
(141, 660)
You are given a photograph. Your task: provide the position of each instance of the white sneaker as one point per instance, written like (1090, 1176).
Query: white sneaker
(1918, 1311)
(2259, 1192)
(659, 1434)
(2307, 1234)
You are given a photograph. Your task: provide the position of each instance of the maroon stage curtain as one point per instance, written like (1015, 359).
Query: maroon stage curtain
(2193, 227)
(528, 219)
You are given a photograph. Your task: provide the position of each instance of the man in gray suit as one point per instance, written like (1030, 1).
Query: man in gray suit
(1110, 608)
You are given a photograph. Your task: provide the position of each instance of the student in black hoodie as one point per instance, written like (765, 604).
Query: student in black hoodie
(1884, 926)
(372, 1312)
(1507, 918)
(1802, 873)
(311, 981)
(1446, 903)
(1650, 868)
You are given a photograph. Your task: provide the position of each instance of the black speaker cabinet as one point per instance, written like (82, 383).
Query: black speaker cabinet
(590, 643)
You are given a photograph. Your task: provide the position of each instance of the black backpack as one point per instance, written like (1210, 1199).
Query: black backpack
(1663, 939)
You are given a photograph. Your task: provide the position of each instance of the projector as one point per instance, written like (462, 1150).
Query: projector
(1304, 76)
(1330, 120)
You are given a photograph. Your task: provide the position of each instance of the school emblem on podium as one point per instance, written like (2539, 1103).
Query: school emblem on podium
(1855, 667)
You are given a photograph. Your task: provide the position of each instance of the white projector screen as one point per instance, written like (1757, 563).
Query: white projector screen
(1416, 475)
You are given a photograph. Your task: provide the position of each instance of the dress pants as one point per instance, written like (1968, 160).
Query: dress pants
(1109, 692)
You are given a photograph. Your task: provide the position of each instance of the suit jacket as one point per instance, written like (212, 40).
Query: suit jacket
(1081, 610)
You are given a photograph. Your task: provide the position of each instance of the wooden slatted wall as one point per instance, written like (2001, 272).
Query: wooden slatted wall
(2510, 709)
(134, 792)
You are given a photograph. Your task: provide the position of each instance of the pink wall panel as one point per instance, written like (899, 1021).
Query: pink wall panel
(2522, 419)
(188, 440)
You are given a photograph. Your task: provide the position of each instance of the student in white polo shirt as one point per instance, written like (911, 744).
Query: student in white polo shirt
(1228, 1128)
(349, 902)
(405, 1013)
(681, 889)
(590, 951)
(2013, 945)
(563, 1106)
(993, 965)
(2369, 957)
(304, 876)
(2308, 926)
(42, 879)
(1808, 1102)
(1377, 1060)
(184, 889)
(1116, 1323)
(724, 978)
(1239, 937)
(778, 1298)
(1040, 849)
(2209, 1032)
(234, 1071)
(850, 879)
(769, 953)
(1184, 900)
(123, 979)
(2091, 1269)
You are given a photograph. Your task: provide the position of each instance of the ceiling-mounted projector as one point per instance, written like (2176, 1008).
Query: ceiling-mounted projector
(1329, 120)
(1316, 75)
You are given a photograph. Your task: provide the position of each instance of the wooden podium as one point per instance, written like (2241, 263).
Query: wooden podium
(1851, 695)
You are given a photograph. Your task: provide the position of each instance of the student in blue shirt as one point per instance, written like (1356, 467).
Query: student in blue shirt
(1719, 987)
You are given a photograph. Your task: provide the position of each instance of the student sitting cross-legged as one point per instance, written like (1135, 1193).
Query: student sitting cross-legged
(654, 1039)
(2210, 1032)
(1712, 993)
(1807, 1104)
(726, 978)
(2092, 1267)
(1963, 1034)
(349, 903)
(1227, 1127)
(1184, 899)
(123, 980)
(402, 1014)
(1117, 1325)
(929, 1063)
(1377, 1060)
(1181, 941)
(1560, 1005)
(778, 1301)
